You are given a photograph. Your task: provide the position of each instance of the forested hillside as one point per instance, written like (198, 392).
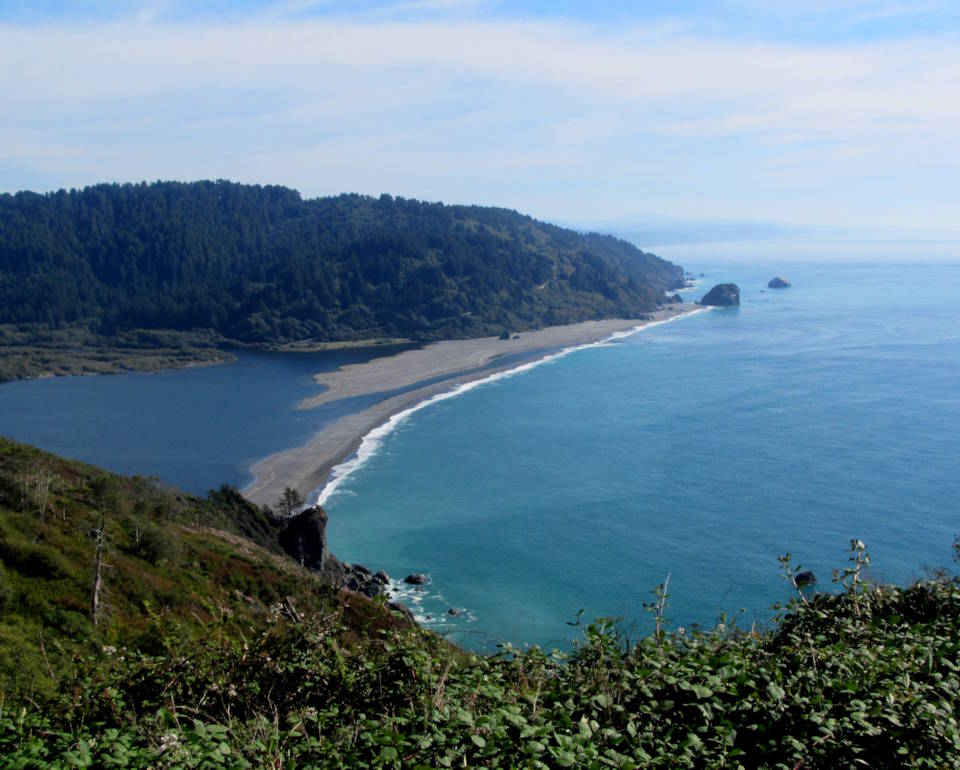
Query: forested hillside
(262, 265)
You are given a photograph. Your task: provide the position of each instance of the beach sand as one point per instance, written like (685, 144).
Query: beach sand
(306, 468)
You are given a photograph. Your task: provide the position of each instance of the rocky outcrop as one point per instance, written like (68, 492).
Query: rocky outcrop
(416, 579)
(779, 282)
(304, 538)
(356, 577)
(722, 295)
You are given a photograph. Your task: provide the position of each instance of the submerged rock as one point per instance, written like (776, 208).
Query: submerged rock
(722, 295)
(779, 282)
(453, 612)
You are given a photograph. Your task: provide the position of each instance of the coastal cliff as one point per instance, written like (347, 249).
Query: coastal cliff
(303, 537)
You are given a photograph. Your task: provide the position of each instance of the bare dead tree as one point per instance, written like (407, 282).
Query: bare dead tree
(44, 478)
(98, 566)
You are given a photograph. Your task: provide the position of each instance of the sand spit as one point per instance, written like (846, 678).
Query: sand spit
(307, 467)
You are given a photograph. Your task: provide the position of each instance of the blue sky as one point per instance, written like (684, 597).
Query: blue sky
(831, 113)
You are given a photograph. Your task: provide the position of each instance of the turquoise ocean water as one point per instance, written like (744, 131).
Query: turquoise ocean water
(701, 449)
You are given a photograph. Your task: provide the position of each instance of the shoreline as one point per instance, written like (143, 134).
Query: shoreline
(449, 366)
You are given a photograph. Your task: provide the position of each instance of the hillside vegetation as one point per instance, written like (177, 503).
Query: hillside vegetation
(212, 649)
(261, 265)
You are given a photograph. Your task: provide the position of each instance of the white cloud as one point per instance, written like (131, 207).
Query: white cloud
(463, 110)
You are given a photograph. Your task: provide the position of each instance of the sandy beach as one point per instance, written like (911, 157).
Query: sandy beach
(446, 365)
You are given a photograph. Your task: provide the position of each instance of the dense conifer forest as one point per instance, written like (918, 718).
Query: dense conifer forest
(262, 265)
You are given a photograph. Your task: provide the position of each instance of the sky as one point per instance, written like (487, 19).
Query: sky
(834, 113)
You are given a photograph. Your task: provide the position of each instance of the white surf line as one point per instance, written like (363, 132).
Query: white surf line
(372, 441)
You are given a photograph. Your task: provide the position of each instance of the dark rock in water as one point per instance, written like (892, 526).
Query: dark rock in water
(778, 283)
(305, 538)
(803, 579)
(722, 295)
(453, 612)
(415, 579)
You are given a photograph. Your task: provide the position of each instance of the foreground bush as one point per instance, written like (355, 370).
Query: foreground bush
(866, 678)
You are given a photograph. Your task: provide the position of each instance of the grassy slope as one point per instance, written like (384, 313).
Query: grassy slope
(201, 660)
(173, 563)
(27, 352)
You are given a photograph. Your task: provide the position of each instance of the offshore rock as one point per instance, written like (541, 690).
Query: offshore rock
(416, 579)
(722, 295)
(805, 579)
(779, 282)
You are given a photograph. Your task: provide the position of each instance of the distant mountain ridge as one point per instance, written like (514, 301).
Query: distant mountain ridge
(262, 265)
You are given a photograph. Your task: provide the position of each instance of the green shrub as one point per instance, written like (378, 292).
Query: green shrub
(22, 669)
(149, 541)
(6, 588)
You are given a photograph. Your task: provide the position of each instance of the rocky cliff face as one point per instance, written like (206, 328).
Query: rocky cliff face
(305, 538)
(722, 295)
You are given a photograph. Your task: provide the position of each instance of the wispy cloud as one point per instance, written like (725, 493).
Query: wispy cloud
(559, 117)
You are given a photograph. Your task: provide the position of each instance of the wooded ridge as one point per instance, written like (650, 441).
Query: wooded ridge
(262, 265)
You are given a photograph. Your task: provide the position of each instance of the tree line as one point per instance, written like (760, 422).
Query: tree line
(260, 264)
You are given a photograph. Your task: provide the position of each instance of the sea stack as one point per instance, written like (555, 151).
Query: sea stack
(722, 295)
(778, 283)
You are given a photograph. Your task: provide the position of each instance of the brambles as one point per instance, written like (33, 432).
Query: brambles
(851, 578)
(200, 663)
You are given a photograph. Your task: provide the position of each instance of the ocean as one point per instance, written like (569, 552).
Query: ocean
(699, 449)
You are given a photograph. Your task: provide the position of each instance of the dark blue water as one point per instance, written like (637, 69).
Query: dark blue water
(702, 449)
(193, 428)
